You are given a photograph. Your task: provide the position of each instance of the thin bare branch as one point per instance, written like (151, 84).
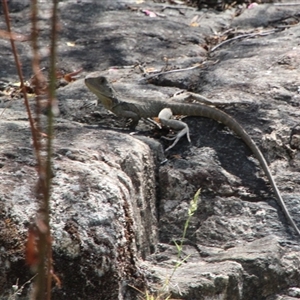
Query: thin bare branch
(246, 35)
(52, 103)
(17, 62)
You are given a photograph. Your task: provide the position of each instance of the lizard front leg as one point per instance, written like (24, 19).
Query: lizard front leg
(121, 110)
(165, 116)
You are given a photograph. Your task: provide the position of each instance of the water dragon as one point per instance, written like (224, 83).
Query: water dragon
(164, 110)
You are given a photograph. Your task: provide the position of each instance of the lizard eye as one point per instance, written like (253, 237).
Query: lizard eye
(102, 80)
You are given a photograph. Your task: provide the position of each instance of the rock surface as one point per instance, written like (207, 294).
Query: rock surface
(115, 209)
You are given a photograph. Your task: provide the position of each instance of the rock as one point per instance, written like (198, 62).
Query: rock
(118, 202)
(102, 195)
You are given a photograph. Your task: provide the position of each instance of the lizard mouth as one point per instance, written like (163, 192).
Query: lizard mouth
(93, 83)
(101, 88)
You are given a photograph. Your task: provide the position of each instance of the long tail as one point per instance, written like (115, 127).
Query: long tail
(220, 116)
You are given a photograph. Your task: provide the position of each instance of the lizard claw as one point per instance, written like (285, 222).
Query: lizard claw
(178, 136)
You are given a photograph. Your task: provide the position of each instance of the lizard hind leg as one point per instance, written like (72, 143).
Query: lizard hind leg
(132, 123)
(165, 116)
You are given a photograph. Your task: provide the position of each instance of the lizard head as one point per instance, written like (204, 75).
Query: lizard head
(103, 90)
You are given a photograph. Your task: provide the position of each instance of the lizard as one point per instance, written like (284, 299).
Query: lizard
(164, 110)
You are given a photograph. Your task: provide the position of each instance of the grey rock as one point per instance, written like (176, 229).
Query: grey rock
(115, 209)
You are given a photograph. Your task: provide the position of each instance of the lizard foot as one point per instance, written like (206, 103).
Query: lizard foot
(165, 117)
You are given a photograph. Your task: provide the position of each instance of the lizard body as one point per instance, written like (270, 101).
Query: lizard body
(164, 109)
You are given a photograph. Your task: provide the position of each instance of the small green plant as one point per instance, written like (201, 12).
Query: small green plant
(164, 293)
(147, 296)
(17, 290)
(191, 211)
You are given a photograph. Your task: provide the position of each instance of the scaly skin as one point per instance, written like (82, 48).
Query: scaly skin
(151, 108)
